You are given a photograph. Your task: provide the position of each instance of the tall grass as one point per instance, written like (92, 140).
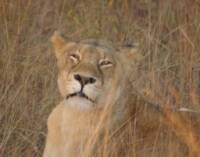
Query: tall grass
(169, 37)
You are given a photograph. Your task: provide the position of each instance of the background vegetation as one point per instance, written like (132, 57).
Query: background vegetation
(169, 35)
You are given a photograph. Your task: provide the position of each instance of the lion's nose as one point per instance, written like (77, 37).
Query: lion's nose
(84, 79)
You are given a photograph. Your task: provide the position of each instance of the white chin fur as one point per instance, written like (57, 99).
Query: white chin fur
(79, 103)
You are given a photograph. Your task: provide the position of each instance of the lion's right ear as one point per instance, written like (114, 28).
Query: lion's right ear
(58, 43)
(57, 40)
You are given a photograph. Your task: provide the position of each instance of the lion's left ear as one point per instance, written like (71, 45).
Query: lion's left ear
(131, 53)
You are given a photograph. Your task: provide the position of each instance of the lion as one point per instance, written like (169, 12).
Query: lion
(100, 113)
(93, 78)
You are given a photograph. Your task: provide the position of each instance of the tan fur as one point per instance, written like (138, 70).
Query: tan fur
(75, 119)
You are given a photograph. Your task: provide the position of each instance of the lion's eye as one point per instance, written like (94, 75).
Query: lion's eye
(75, 58)
(105, 63)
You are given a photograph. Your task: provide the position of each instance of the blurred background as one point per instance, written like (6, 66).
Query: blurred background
(168, 33)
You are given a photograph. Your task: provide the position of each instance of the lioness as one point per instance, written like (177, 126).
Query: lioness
(92, 79)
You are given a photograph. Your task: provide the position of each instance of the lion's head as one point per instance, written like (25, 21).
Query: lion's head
(92, 72)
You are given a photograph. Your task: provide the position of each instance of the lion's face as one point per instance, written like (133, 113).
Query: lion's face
(90, 72)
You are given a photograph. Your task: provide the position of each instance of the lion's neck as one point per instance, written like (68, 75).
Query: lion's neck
(79, 120)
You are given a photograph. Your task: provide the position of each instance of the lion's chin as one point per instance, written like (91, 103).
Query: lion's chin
(79, 103)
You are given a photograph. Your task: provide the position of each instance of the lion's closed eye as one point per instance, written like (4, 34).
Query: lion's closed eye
(105, 63)
(75, 58)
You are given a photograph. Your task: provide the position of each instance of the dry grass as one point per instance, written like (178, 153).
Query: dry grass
(169, 37)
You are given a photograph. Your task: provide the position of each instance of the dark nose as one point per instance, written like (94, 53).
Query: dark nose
(84, 79)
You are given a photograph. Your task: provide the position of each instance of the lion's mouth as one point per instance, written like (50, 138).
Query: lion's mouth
(79, 94)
